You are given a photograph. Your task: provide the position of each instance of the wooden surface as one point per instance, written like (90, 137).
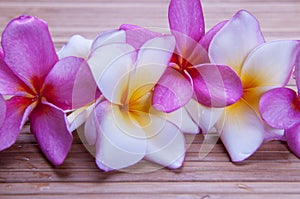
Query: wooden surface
(273, 172)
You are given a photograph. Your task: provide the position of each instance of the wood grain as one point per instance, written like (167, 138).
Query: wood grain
(272, 172)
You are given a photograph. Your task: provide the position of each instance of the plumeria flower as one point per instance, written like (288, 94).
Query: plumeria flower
(261, 66)
(39, 87)
(280, 108)
(123, 126)
(190, 79)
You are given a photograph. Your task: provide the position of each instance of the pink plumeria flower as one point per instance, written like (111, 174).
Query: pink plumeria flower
(123, 127)
(191, 81)
(261, 66)
(280, 108)
(40, 87)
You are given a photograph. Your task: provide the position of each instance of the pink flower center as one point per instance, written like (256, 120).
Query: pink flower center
(180, 63)
(36, 98)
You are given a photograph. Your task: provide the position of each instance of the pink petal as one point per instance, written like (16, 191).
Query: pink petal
(206, 39)
(194, 54)
(10, 84)
(50, 128)
(2, 110)
(185, 16)
(172, 91)
(120, 141)
(216, 85)
(242, 131)
(1, 53)
(28, 49)
(66, 84)
(165, 146)
(137, 36)
(293, 139)
(279, 107)
(270, 64)
(232, 44)
(77, 46)
(17, 111)
(297, 72)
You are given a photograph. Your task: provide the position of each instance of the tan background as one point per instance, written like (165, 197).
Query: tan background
(273, 172)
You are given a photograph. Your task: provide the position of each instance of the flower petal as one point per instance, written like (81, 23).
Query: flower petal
(172, 91)
(205, 117)
(270, 64)
(28, 49)
(166, 145)
(186, 16)
(216, 85)
(273, 133)
(152, 61)
(297, 72)
(77, 46)
(17, 111)
(109, 37)
(111, 66)
(91, 128)
(2, 110)
(180, 118)
(66, 84)
(50, 128)
(253, 95)
(207, 38)
(278, 107)
(235, 40)
(10, 84)
(121, 142)
(137, 36)
(242, 131)
(80, 116)
(194, 54)
(293, 139)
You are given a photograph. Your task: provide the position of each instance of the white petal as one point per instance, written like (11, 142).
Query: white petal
(166, 145)
(77, 46)
(235, 40)
(109, 37)
(242, 131)
(79, 116)
(205, 117)
(153, 59)
(270, 64)
(91, 128)
(111, 65)
(120, 143)
(181, 119)
(273, 134)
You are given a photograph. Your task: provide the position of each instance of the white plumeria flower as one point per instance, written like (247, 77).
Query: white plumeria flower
(261, 66)
(122, 125)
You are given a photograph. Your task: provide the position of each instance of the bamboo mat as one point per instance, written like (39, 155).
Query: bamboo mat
(273, 172)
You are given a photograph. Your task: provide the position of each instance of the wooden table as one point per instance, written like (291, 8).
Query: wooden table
(273, 172)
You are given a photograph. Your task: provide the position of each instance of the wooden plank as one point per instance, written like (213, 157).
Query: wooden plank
(153, 187)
